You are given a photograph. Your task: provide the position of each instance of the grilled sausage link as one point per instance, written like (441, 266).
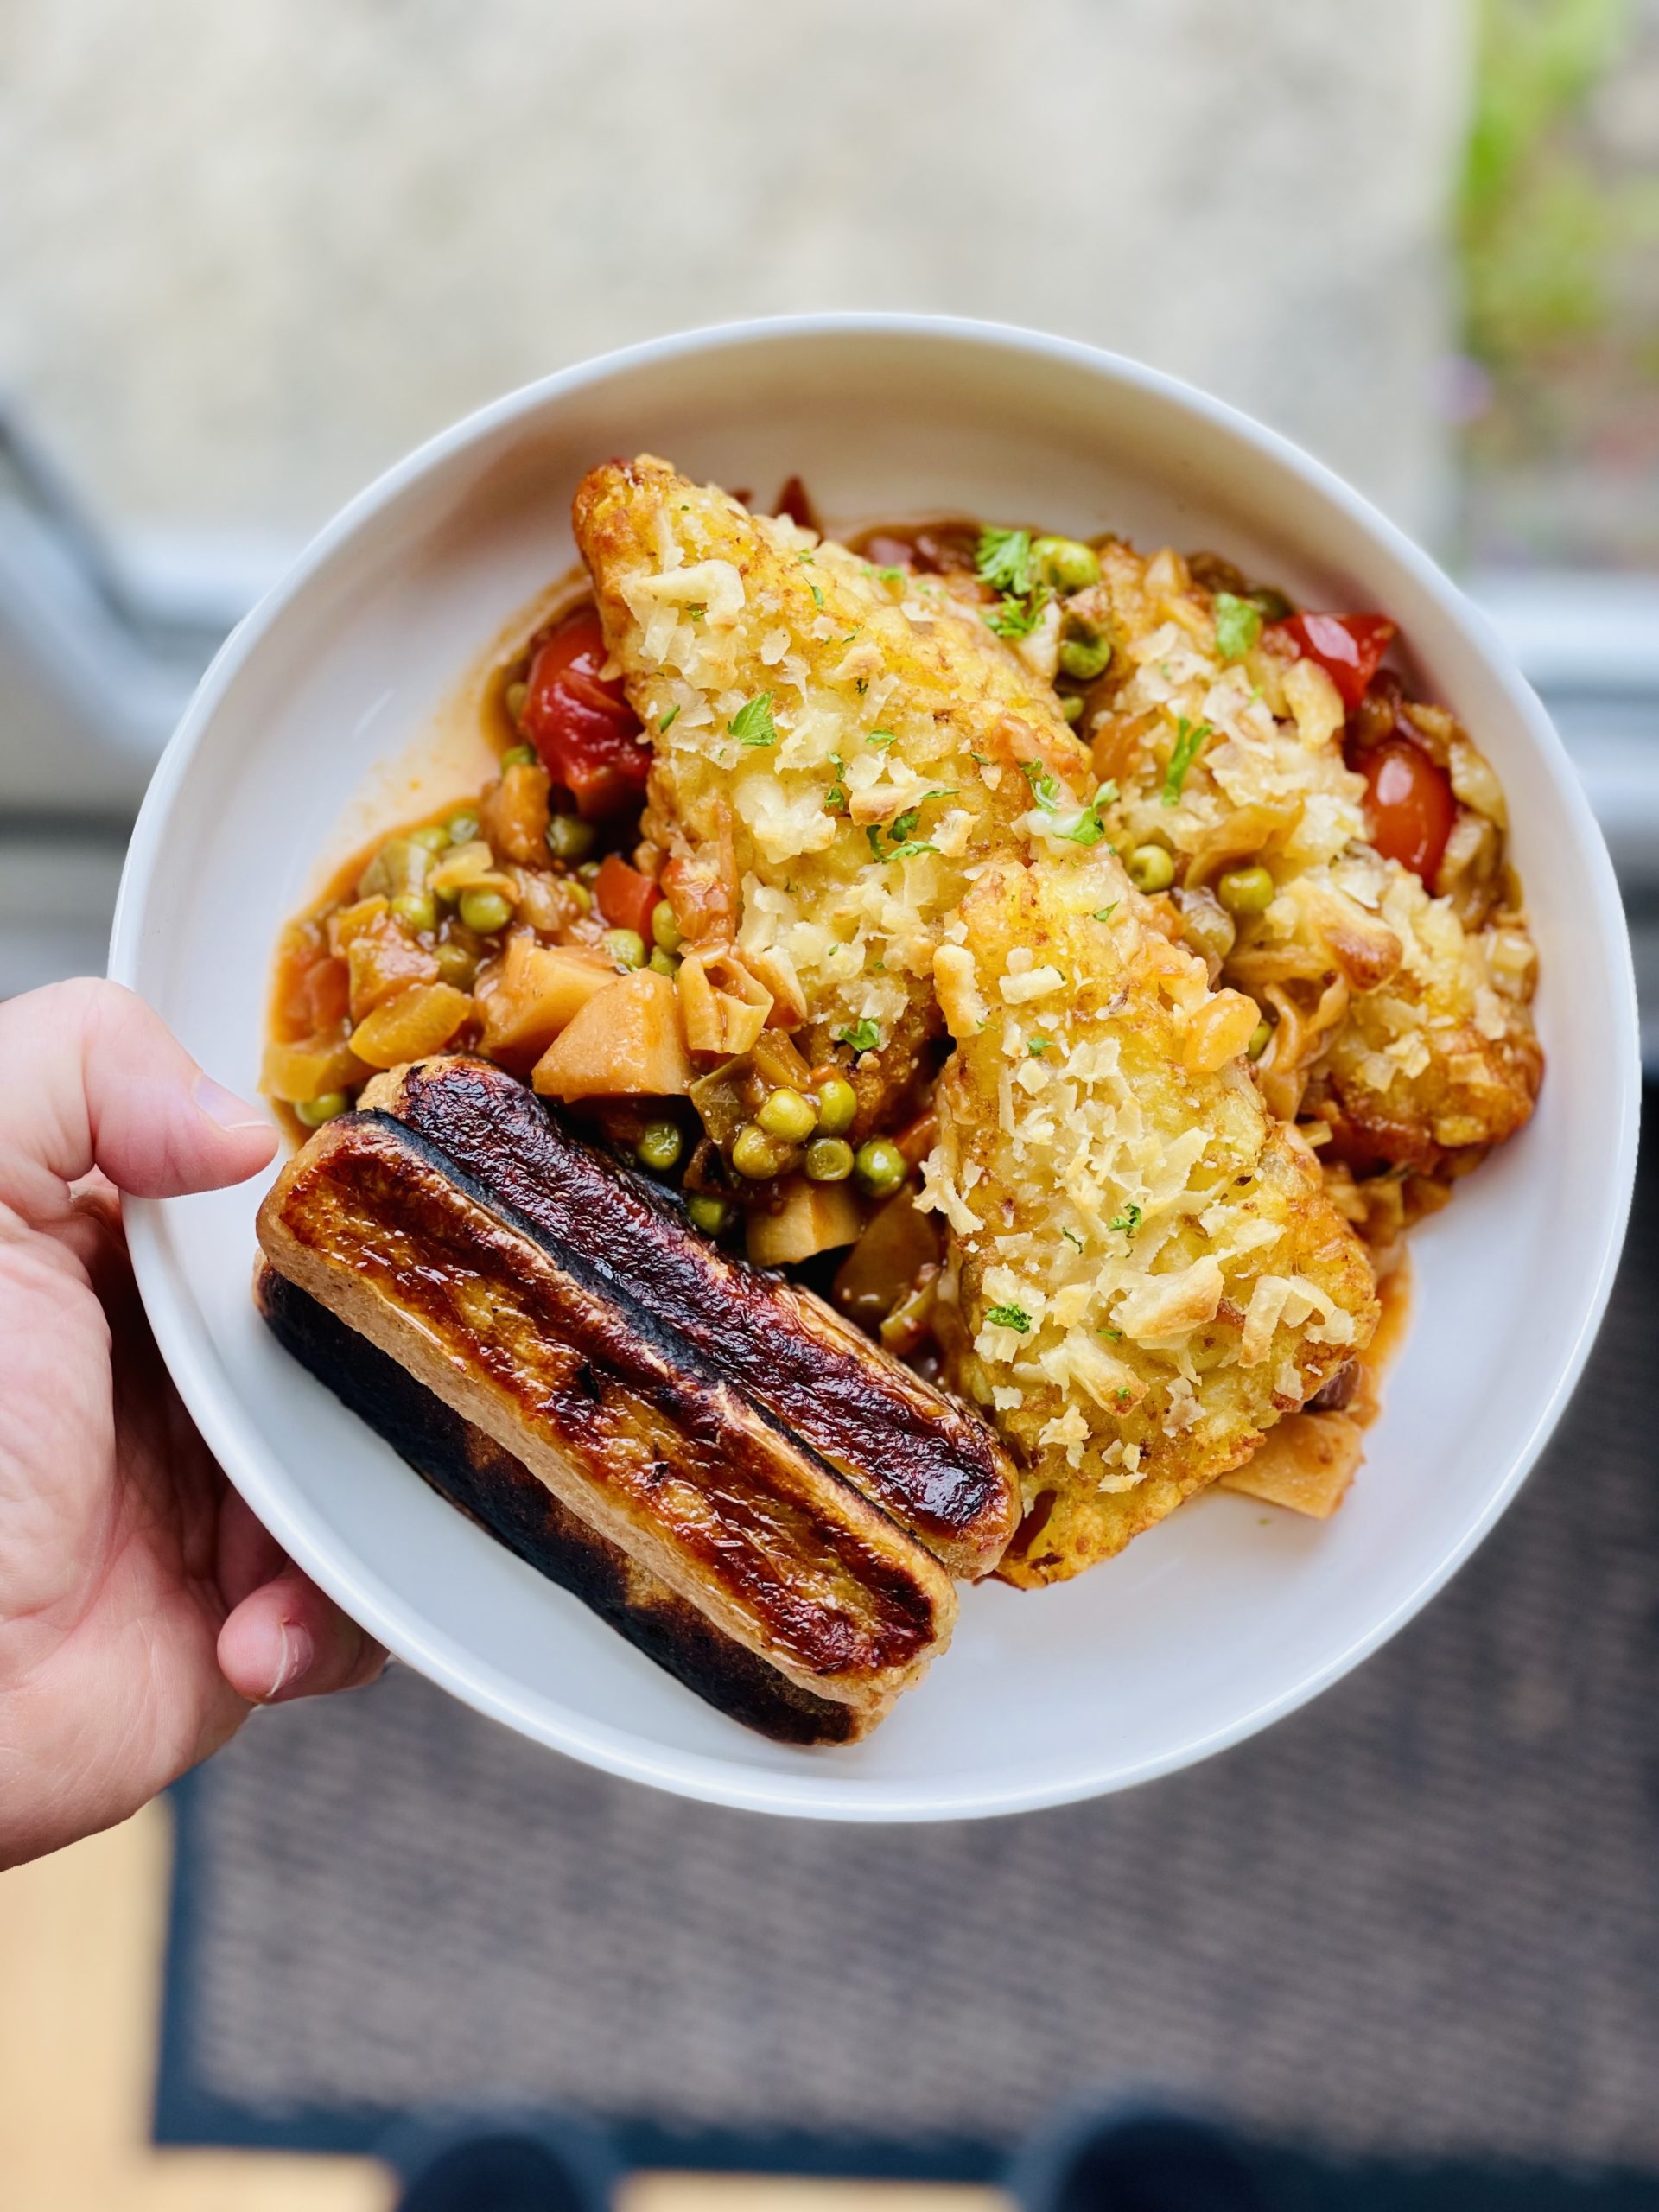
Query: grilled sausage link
(934, 1467)
(628, 1425)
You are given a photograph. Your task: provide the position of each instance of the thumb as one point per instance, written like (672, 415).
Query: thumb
(96, 1079)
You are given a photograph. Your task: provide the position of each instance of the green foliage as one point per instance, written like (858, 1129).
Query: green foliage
(1537, 225)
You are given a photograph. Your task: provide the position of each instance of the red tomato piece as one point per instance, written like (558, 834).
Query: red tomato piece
(1348, 647)
(581, 722)
(624, 897)
(1410, 806)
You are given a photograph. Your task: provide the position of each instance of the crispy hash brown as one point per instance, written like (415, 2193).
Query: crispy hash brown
(837, 746)
(1148, 1272)
(1401, 1008)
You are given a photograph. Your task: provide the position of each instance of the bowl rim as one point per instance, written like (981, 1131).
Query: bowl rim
(817, 1791)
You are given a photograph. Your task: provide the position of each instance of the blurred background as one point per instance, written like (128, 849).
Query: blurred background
(249, 255)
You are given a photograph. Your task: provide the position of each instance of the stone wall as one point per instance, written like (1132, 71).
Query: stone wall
(252, 251)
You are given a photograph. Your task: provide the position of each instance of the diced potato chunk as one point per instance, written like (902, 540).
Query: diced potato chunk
(1306, 1462)
(624, 1043)
(420, 1020)
(383, 960)
(298, 1073)
(513, 815)
(814, 1218)
(537, 989)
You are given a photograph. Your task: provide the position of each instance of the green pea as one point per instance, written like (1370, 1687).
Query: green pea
(1071, 706)
(1150, 868)
(485, 911)
(1066, 562)
(462, 827)
(569, 838)
(755, 1156)
(435, 837)
(456, 964)
(707, 1213)
(880, 1167)
(837, 1106)
(313, 1112)
(663, 964)
(588, 872)
(519, 756)
(417, 910)
(1261, 1038)
(659, 1147)
(665, 932)
(828, 1160)
(1084, 658)
(625, 947)
(1246, 890)
(784, 1114)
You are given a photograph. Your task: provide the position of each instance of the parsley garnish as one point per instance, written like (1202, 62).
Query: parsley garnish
(903, 825)
(1044, 789)
(1038, 1046)
(1010, 1317)
(668, 719)
(891, 575)
(817, 596)
(862, 1036)
(1122, 1394)
(1072, 1237)
(1189, 742)
(880, 739)
(835, 799)
(1238, 624)
(910, 847)
(696, 613)
(1128, 1221)
(1105, 913)
(1004, 562)
(873, 831)
(752, 724)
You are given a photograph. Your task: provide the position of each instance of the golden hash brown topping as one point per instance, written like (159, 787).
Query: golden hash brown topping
(837, 748)
(1149, 1273)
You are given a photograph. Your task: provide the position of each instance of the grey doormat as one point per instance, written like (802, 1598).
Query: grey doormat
(1421, 1918)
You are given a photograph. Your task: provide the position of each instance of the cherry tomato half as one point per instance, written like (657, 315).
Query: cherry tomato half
(1410, 807)
(1348, 647)
(624, 896)
(581, 722)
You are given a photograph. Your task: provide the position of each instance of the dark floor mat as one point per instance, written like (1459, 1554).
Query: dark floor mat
(1421, 1918)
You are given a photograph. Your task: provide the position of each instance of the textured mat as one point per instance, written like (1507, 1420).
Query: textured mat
(1420, 1917)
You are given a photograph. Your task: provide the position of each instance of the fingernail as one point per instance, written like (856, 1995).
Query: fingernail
(225, 1108)
(298, 1651)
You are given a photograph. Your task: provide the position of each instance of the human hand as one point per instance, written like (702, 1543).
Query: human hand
(143, 1610)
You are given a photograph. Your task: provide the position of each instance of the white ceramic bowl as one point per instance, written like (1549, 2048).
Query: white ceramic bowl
(1213, 1625)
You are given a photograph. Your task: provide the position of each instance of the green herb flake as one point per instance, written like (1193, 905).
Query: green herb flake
(862, 1036)
(904, 825)
(1128, 1221)
(873, 831)
(1044, 789)
(1010, 1317)
(910, 847)
(1036, 1046)
(835, 799)
(1105, 913)
(891, 575)
(1238, 624)
(668, 720)
(818, 595)
(1072, 1237)
(1004, 560)
(882, 739)
(752, 724)
(1122, 1394)
(1189, 743)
